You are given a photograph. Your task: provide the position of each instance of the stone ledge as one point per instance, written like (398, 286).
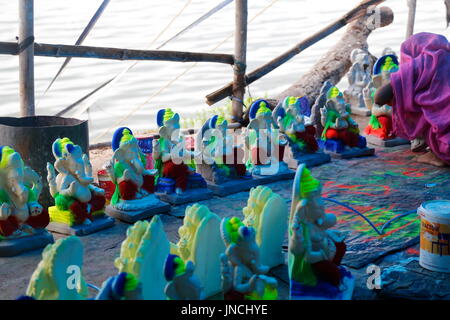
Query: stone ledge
(132, 216)
(231, 186)
(310, 159)
(13, 247)
(386, 143)
(190, 195)
(353, 153)
(82, 229)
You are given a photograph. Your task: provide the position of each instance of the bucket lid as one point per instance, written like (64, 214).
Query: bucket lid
(437, 209)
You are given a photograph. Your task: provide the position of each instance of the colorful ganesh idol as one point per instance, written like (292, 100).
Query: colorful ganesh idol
(200, 241)
(134, 197)
(315, 250)
(124, 286)
(243, 276)
(340, 135)
(59, 275)
(182, 283)
(263, 141)
(379, 130)
(79, 205)
(22, 218)
(221, 164)
(177, 181)
(292, 117)
(358, 78)
(143, 254)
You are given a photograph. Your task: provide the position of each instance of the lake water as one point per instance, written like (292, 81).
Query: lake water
(150, 85)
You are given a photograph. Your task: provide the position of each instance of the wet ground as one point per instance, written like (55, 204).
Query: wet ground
(380, 187)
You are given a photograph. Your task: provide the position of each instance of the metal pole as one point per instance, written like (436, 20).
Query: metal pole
(411, 18)
(240, 53)
(26, 58)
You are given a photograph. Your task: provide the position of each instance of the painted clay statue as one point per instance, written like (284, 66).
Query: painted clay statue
(133, 198)
(267, 213)
(358, 78)
(220, 160)
(182, 283)
(340, 133)
(315, 250)
(59, 274)
(21, 216)
(380, 124)
(165, 161)
(262, 139)
(292, 117)
(143, 254)
(201, 242)
(77, 201)
(176, 176)
(123, 286)
(243, 275)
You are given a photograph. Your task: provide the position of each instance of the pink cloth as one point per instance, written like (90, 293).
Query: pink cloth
(421, 104)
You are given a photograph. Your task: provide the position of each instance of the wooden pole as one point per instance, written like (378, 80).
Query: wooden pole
(26, 58)
(240, 53)
(258, 73)
(411, 17)
(61, 51)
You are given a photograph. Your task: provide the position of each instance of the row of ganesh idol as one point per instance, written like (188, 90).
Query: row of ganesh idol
(219, 163)
(225, 258)
(179, 176)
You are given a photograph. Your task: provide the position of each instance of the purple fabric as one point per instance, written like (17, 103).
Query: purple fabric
(421, 104)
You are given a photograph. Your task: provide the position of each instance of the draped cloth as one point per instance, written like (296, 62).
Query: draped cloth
(421, 103)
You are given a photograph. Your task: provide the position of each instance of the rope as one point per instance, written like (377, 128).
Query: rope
(198, 21)
(380, 232)
(167, 27)
(120, 121)
(25, 44)
(80, 40)
(117, 77)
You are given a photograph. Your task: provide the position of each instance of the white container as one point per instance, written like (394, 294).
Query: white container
(435, 235)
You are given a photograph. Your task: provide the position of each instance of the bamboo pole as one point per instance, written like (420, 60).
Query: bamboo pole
(61, 51)
(240, 53)
(258, 73)
(25, 49)
(411, 17)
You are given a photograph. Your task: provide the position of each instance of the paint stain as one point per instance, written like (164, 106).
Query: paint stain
(413, 251)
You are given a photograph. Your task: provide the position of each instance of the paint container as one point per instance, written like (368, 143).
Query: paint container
(106, 184)
(145, 144)
(435, 235)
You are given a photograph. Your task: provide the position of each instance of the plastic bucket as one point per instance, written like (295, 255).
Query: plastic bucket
(435, 235)
(106, 184)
